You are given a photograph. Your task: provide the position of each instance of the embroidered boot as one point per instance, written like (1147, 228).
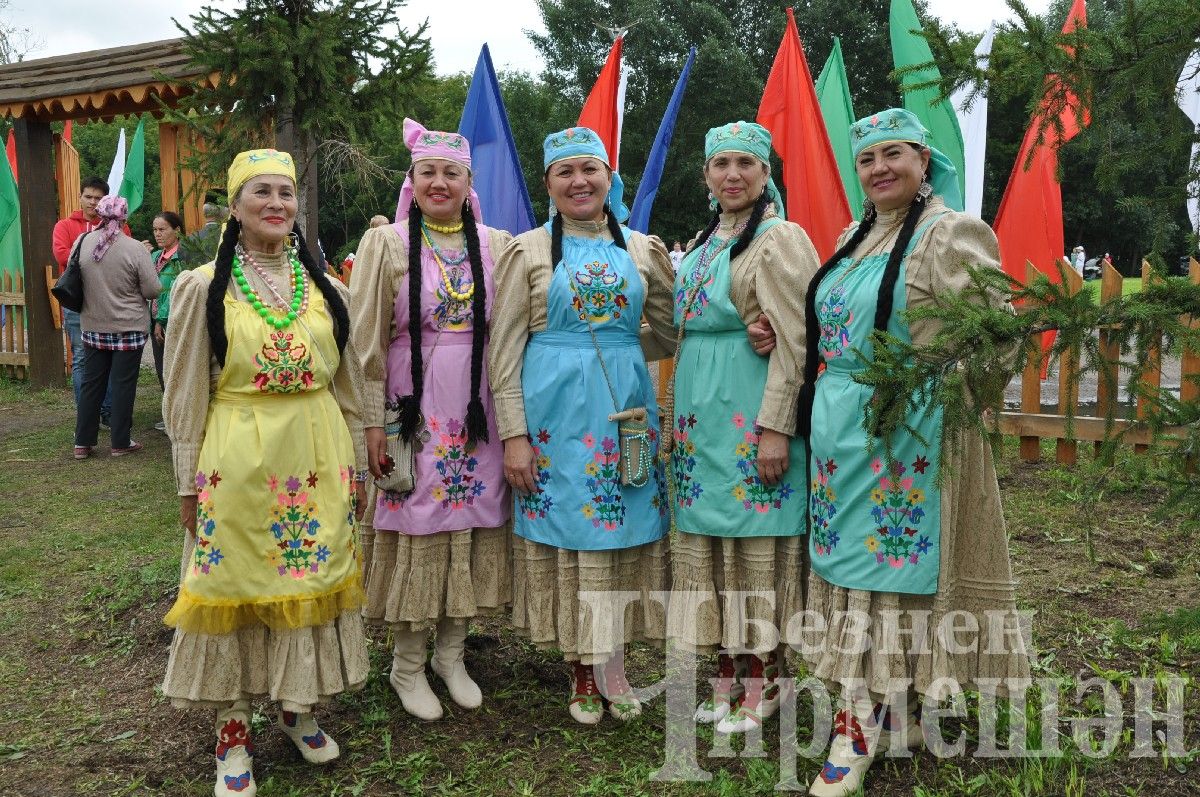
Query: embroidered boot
(909, 730)
(408, 676)
(621, 701)
(851, 751)
(761, 699)
(234, 753)
(586, 706)
(310, 740)
(726, 690)
(449, 650)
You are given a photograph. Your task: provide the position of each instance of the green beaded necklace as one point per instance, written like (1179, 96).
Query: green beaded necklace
(265, 312)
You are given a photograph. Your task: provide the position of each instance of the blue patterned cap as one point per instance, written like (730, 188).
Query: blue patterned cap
(574, 142)
(899, 125)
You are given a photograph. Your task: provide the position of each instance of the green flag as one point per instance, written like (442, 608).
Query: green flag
(133, 184)
(909, 49)
(11, 258)
(833, 92)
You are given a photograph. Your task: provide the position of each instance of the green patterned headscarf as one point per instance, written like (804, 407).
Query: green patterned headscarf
(897, 124)
(750, 138)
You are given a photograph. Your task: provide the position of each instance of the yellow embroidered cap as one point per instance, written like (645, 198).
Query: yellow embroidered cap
(254, 162)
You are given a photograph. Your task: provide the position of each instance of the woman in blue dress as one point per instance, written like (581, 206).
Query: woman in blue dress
(564, 358)
(911, 587)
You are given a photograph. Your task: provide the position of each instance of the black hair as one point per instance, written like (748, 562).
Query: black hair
(171, 218)
(223, 271)
(556, 234)
(94, 182)
(410, 405)
(883, 305)
(747, 237)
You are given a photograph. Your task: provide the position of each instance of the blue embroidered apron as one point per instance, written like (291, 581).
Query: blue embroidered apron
(871, 527)
(580, 503)
(719, 382)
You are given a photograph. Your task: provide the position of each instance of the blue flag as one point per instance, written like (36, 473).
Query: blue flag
(639, 217)
(494, 162)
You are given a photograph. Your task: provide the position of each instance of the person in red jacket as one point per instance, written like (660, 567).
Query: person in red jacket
(66, 231)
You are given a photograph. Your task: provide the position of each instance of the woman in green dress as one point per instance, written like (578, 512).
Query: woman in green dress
(907, 571)
(736, 468)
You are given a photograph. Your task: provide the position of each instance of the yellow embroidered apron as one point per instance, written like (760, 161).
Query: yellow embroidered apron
(275, 484)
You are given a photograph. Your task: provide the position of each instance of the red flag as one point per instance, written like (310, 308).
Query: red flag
(1029, 222)
(67, 130)
(602, 112)
(11, 150)
(816, 199)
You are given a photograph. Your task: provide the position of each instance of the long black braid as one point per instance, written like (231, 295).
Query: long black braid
(223, 271)
(410, 405)
(883, 305)
(556, 234)
(756, 216)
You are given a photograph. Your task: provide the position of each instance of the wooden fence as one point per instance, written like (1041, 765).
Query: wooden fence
(14, 351)
(1090, 424)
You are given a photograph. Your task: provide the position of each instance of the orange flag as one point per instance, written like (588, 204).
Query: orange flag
(602, 110)
(1029, 222)
(816, 199)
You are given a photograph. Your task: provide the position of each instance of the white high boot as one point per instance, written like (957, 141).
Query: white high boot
(312, 742)
(449, 652)
(234, 753)
(851, 751)
(408, 676)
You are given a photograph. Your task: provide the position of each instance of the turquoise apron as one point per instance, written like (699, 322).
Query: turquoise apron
(719, 383)
(579, 502)
(871, 526)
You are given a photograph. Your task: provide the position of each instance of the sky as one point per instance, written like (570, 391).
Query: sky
(456, 29)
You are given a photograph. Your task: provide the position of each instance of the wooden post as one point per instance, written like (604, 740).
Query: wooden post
(1031, 383)
(1107, 383)
(1067, 450)
(35, 150)
(1189, 372)
(1152, 375)
(168, 162)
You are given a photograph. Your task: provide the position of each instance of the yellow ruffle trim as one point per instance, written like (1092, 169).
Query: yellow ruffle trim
(206, 616)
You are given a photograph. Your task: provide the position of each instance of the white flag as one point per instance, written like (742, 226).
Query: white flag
(117, 173)
(1188, 96)
(973, 124)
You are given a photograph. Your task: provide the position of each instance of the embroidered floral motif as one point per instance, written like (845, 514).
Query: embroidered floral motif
(661, 500)
(460, 487)
(233, 734)
(752, 492)
(898, 512)
(598, 293)
(537, 504)
(683, 462)
(433, 138)
(347, 474)
(450, 313)
(205, 556)
(821, 501)
(835, 319)
(283, 366)
(700, 275)
(848, 725)
(294, 526)
(607, 507)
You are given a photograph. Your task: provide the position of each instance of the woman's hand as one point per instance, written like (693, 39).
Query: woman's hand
(376, 449)
(360, 500)
(158, 333)
(772, 456)
(187, 513)
(761, 335)
(519, 467)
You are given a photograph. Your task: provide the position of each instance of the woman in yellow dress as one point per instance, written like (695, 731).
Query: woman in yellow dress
(259, 403)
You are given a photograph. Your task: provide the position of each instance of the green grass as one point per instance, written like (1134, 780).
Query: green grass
(1129, 286)
(89, 562)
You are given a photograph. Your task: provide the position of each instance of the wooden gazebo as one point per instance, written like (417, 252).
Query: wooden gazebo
(96, 85)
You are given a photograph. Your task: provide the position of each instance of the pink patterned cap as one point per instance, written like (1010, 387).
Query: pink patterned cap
(434, 144)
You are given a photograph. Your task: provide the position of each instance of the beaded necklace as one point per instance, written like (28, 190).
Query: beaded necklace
(454, 293)
(709, 253)
(299, 300)
(444, 229)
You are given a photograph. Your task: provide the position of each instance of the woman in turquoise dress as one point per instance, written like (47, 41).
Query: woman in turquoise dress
(736, 469)
(564, 358)
(899, 559)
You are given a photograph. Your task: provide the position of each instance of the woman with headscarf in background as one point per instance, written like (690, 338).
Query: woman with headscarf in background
(421, 296)
(260, 402)
(570, 380)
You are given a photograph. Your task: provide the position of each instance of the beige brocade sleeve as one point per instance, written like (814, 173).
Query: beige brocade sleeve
(188, 371)
(379, 267)
(782, 261)
(654, 264)
(347, 386)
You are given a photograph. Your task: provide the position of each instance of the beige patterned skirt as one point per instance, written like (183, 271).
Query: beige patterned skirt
(734, 593)
(296, 668)
(413, 581)
(589, 604)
